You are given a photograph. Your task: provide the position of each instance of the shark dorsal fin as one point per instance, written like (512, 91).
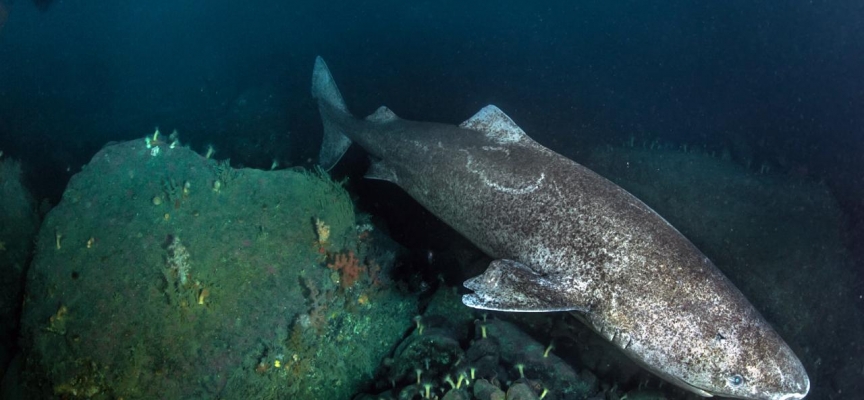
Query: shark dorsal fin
(382, 114)
(496, 125)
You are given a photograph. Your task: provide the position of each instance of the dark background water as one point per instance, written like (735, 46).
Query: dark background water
(776, 83)
(771, 84)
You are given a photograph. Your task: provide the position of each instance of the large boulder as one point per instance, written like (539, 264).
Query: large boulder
(165, 274)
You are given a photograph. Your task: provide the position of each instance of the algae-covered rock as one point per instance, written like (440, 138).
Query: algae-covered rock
(174, 276)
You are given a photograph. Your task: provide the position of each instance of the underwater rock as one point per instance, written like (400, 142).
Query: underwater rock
(18, 226)
(431, 353)
(445, 310)
(521, 391)
(411, 392)
(520, 349)
(499, 357)
(484, 390)
(645, 394)
(206, 293)
(434, 346)
(456, 394)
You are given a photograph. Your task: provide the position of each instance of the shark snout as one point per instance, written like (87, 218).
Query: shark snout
(794, 396)
(795, 383)
(799, 389)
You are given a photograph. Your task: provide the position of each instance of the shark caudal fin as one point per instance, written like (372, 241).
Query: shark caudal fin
(332, 109)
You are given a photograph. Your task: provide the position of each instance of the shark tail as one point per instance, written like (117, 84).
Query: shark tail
(333, 109)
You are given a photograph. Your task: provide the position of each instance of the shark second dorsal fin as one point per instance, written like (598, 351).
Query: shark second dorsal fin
(508, 285)
(382, 114)
(496, 125)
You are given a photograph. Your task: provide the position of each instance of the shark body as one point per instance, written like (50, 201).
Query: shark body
(566, 239)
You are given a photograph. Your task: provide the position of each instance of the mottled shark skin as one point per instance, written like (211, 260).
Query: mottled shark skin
(567, 239)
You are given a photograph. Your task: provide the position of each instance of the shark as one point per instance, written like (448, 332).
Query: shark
(565, 239)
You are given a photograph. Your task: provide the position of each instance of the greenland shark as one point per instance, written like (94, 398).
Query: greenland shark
(563, 238)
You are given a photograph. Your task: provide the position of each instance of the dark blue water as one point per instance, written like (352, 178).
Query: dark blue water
(780, 79)
(775, 87)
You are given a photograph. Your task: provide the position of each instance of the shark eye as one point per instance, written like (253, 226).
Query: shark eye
(736, 380)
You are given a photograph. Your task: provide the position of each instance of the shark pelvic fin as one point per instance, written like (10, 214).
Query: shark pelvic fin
(382, 114)
(496, 125)
(381, 171)
(508, 285)
(333, 146)
(332, 107)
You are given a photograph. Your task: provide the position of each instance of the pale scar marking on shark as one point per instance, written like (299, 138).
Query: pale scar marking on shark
(501, 149)
(499, 187)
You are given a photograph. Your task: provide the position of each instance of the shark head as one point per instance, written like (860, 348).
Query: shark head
(745, 360)
(709, 340)
(779, 376)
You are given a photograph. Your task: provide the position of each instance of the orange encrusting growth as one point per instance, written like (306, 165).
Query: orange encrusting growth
(348, 266)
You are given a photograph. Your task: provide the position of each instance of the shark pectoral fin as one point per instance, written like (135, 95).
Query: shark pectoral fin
(508, 285)
(496, 125)
(381, 171)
